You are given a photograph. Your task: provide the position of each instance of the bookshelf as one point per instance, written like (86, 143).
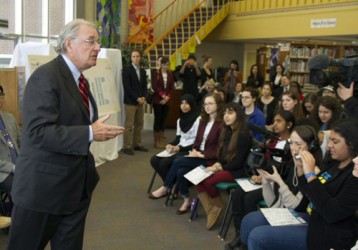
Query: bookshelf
(263, 57)
(349, 51)
(300, 53)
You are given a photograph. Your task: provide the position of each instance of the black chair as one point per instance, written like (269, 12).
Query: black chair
(151, 182)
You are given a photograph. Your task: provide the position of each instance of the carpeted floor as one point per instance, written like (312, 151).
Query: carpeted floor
(122, 217)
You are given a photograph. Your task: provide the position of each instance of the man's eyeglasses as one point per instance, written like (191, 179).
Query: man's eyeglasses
(246, 97)
(93, 43)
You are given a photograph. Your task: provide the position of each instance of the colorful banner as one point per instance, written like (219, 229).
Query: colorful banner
(140, 21)
(108, 22)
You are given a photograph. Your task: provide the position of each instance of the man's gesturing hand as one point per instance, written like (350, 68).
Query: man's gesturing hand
(104, 132)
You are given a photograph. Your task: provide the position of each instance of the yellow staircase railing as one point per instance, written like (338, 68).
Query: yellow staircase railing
(186, 32)
(255, 6)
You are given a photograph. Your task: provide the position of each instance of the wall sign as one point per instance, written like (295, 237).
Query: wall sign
(323, 23)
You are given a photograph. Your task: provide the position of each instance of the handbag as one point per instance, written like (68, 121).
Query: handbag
(149, 97)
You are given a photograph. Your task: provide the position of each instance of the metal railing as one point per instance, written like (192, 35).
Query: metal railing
(183, 26)
(253, 6)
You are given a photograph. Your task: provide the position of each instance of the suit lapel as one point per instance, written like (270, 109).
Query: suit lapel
(71, 85)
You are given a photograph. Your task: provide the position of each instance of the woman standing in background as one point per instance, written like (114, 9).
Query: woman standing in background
(255, 79)
(206, 71)
(267, 103)
(163, 86)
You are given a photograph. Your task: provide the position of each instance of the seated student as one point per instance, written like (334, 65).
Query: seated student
(234, 147)
(333, 194)
(327, 91)
(207, 88)
(308, 103)
(236, 96)
(246, 202)
(9, 146)
(326, 112)
(252, 114)
(187, 127)
(290, 101)
(204, 151)
(221, 91)
(295, 86)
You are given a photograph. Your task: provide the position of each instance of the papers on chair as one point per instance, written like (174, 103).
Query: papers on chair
(282, 217)
(165, 153)
(246, 185)
(197, 175)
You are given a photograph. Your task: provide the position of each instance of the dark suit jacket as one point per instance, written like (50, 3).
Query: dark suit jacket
(158, 86)
(133, 88)
(277, 93)
(55, 168)
(212, 141)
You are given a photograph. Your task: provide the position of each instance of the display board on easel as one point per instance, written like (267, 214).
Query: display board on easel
(100, 79)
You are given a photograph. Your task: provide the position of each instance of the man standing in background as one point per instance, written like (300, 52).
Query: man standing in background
(55, 171)
(135, 90)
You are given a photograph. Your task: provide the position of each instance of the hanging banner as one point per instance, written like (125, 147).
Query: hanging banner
(108, 22)
(140, 21)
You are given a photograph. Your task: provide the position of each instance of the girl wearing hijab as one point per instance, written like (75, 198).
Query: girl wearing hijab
(187, 127)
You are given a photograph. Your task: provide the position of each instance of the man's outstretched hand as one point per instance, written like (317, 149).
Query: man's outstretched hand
(104, 132)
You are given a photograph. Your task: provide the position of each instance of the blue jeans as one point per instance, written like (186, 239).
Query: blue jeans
(179, 168)
(258, 234)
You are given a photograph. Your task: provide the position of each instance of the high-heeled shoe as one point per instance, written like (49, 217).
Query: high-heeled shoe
(151, 196)
(180, 212)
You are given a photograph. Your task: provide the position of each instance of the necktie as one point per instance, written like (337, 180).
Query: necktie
(138, 72)
(10, 145)
(83, 91)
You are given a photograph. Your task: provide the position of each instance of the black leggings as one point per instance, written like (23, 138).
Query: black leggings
(162, 164)
(160, 115)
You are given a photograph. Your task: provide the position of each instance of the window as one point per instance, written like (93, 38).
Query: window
(33, 20)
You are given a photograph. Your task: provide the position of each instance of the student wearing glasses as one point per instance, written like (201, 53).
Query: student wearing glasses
(253, 114)
(204, 151)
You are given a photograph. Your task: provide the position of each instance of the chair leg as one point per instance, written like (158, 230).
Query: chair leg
(3, 197)
(151, 182)
(226, 220)
(194, 209)
(170, 197)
